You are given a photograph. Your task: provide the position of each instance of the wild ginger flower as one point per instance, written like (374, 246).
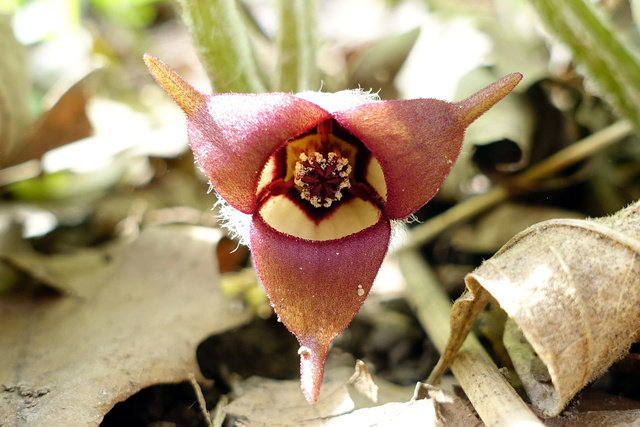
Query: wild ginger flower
(321, 185)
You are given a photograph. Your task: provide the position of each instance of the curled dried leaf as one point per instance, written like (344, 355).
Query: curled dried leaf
(573, 288)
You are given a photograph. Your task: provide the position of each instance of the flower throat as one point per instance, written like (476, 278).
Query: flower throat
(320, 168)
(321, 175)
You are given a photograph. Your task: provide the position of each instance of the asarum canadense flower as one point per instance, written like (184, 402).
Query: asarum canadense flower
(321, 182)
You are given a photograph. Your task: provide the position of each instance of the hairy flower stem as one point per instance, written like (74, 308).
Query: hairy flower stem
(221, 36)
(615, 68)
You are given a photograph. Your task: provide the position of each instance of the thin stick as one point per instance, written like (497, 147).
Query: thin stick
(202, 404)
(492, 396)
(471, 207)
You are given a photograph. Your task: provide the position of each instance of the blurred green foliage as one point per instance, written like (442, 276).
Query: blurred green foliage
(57, 14)
(607, 56)
(133, 13)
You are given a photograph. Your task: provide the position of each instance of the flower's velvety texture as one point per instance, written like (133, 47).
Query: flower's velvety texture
(248, 121)
(321, 186)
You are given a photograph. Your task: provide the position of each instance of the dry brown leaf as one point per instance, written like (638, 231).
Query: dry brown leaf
(65, 122)
(60, 272)
(363, 382)
(66, 360)
(452, 411)
(573, 288)
(264, 402)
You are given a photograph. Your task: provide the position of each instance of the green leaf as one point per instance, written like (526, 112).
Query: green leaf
(611, 63)
(15, 89)
(222, 38)
(133, 13)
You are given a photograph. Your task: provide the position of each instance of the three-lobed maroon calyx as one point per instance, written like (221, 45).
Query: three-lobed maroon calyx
(322, 179)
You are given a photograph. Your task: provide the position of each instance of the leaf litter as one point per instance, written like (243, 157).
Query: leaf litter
(346, 401)
(571, 288)
(537, 65)
(132, 322)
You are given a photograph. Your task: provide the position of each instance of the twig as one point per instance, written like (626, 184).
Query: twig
(492, 396)
(219, 415)
(471, 207)
(200, 397)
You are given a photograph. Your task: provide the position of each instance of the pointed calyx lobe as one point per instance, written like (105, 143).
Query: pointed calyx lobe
(417, 141)
(321, 188)
(233, 135)
(314, 287)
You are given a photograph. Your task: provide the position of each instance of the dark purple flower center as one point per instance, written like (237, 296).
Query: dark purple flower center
(321, 179)
(319, 170)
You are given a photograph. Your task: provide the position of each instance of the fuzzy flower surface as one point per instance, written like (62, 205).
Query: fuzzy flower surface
(320, 178)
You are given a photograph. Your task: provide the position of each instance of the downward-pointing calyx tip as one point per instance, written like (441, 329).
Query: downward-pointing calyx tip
(312, 362)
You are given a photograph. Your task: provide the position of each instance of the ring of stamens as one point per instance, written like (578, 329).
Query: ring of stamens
(321, 180)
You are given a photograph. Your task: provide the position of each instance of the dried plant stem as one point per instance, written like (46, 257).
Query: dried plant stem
(471, 207)
(202, 404)
(491, 395)
(218, 413)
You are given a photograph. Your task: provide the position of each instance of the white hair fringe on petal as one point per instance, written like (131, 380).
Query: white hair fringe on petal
(236, 222)
(343, 100)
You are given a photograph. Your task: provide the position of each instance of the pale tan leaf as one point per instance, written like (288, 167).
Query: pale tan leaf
(66, 360)
(573, 288)
(60, 272)
(266, 402)
(66, 121)
(363, 382)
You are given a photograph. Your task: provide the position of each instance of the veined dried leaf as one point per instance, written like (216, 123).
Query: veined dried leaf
(573, 288)
(499, 225)
(263, 402)
(67, 360)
